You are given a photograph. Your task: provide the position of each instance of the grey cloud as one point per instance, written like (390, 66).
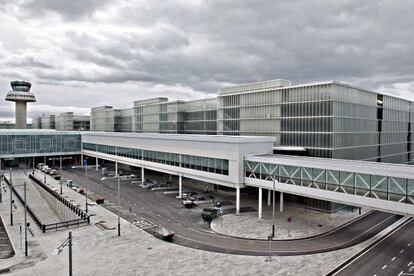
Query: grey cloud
(204, 45)
(28, 61)
(69, 9)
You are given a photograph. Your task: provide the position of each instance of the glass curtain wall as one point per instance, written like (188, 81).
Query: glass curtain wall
(207, 164)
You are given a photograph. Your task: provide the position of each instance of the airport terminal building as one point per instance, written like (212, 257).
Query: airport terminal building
(326, 119)
(230, 161)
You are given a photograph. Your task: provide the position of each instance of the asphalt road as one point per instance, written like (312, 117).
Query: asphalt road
(191, 231)
(393, 256)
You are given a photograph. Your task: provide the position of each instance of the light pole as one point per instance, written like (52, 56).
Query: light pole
(273, 220)
(11, 199)
(119, 197)
(86, 185)
(85, 166)
(60, 169)
(61, 159)
(68, 243)
(25, 213)
(25, 221)
(1, 186)
(119, 202)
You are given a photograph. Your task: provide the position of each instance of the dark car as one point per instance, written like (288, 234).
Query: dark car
(210, 213)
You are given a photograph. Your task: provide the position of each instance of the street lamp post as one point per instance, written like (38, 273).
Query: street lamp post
(119, 203)
(11, 199)
(86, 185)
(25, 212)
(119, 197)
(25, 221)
(85, 166)
(60, 169)
(273, 220)
(68, 243)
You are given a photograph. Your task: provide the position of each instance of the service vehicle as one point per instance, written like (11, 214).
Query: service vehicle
(210, 213)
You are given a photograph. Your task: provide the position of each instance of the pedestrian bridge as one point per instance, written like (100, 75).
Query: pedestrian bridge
(37, 142)
(382, 186)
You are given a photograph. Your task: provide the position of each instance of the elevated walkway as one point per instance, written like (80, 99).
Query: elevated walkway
(381, 186)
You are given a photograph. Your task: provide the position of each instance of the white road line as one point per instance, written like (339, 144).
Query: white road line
(385, 266)
(409, 264)
(409, 244)
(401, 251)
(393, 259)
(400, 273)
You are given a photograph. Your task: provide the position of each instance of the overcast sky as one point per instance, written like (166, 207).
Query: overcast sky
(81, 54)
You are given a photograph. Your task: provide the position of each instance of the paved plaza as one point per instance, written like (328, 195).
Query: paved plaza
(136, 252)
(303, 222)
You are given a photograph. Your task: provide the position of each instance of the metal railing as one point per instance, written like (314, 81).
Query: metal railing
(84, 218)
(31, 213)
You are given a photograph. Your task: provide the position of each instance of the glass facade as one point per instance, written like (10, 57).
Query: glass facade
(24, 143)
(67, 121)
(206, 164)
(331, 120)
(367, 185)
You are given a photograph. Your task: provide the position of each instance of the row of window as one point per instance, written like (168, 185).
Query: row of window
(361, 184)
(207, 164)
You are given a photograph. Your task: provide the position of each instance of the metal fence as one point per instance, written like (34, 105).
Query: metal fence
(84, 218)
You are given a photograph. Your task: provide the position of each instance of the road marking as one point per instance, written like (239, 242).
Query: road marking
(400, 273)
(385, 266)
(393, 259)
(409, 264)
(401, 251)
(409, 244)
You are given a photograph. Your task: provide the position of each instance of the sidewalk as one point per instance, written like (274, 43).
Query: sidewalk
(304, 222)
(102, 252)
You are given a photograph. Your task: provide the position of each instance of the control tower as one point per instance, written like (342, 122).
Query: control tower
(20, 94)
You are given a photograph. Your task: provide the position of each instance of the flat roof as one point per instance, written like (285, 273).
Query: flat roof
(364, 167)
(185, 137)
(34, 131)
(269, 86)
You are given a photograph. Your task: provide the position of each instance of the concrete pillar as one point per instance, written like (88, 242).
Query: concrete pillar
(143, 174)
(180, 186)
(281, 202)
(21, 115)
(116, 168)
(237, 201)
(97, 163)
(44, 160)
(260, 202)
(269, 197)
(81, 160)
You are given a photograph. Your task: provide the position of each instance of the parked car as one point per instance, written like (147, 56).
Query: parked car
(188, 203)
(150, 185)
(44, 168)
(189, 195)
(53, 172)
(57, 177)
(40, 166)
(78, 189)
(129, 177)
